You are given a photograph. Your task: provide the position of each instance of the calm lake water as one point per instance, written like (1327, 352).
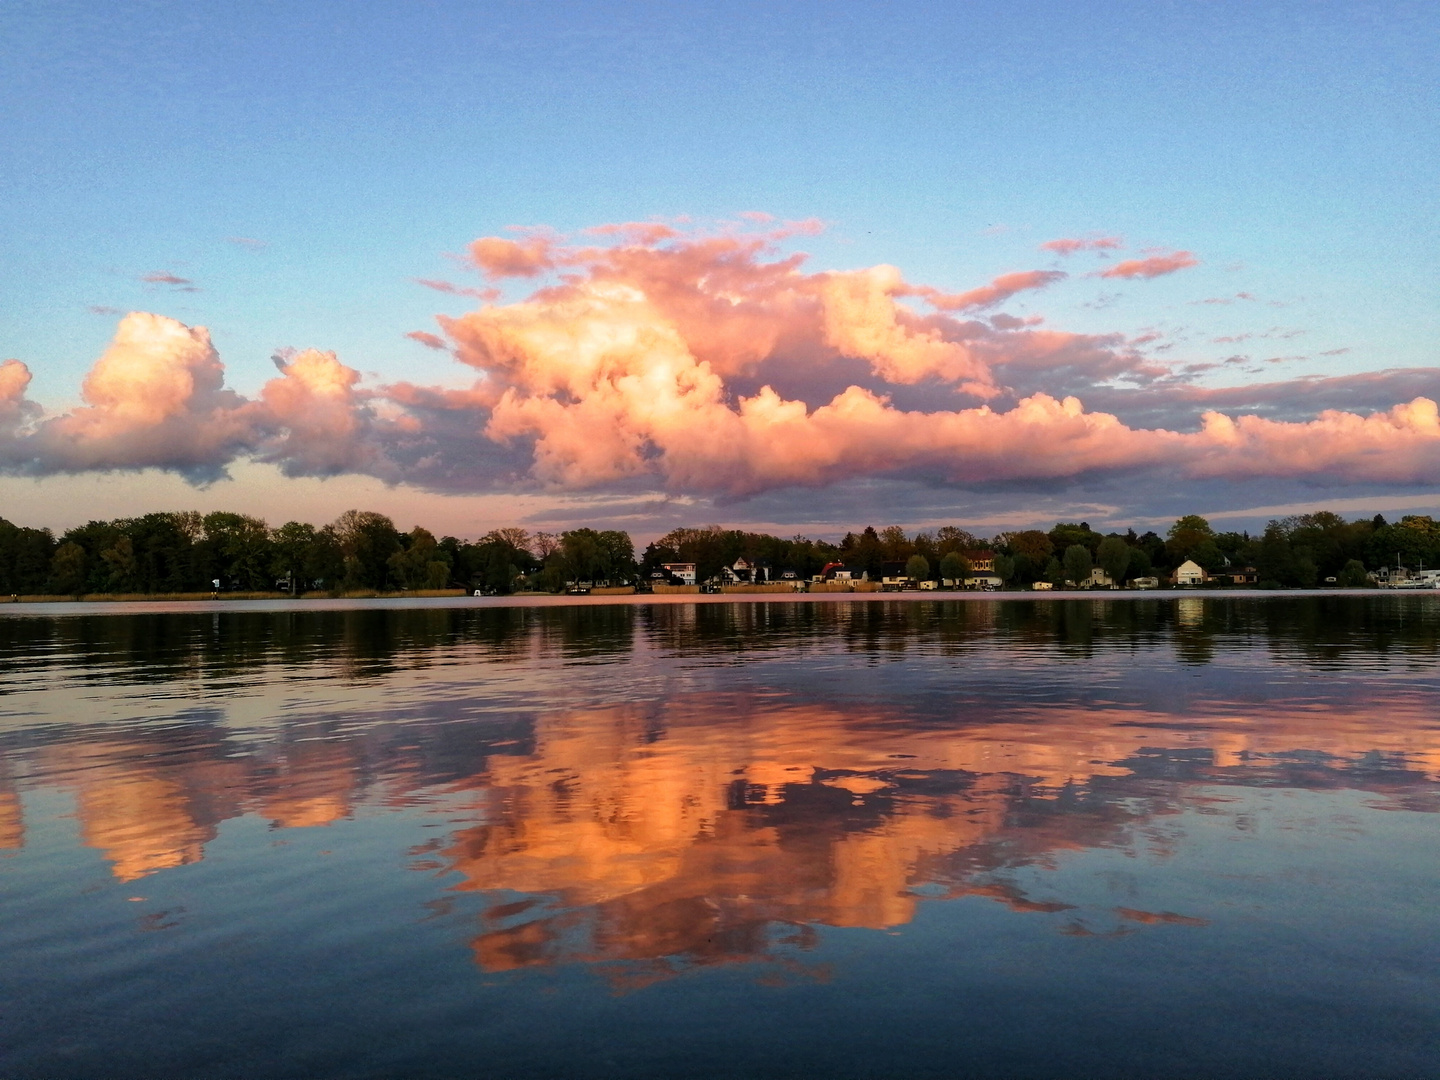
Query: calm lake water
(1158, 837)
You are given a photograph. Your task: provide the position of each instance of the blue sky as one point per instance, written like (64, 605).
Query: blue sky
(1291, 147)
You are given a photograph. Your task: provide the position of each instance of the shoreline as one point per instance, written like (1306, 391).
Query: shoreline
(74, 608)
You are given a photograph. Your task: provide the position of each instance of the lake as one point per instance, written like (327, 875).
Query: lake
(1154, 837)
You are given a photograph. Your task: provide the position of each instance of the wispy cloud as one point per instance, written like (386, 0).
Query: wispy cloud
(1071, 245)
(1152, 267)
(164, 277)
(430, 341)
(459, 290)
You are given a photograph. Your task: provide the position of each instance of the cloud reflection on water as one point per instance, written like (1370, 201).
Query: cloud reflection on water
(652, 789)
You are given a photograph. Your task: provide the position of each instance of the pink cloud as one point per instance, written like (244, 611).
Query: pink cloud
(154, 398)
(710, 363)
(459, 290)
(501, 258)
(1152, 267)
(645, 233)
(14, 381)
(1069, 246)
(319, 423)
(430, 341)
(998, 291)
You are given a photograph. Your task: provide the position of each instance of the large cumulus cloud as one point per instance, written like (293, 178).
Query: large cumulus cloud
(156, 399)
(715, 364)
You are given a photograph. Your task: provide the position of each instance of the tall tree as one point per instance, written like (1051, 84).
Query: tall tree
(1114, 558)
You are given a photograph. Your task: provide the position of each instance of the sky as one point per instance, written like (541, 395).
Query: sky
(799, 267)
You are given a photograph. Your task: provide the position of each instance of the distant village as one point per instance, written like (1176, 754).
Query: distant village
(187, 553)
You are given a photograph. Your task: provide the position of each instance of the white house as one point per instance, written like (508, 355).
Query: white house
(1189, 573)
(1098, 579)
(683, 572)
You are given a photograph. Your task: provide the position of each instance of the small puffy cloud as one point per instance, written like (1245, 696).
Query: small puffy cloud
(498, 257)
(1152, 267)
(1069, 246)
(14, 408)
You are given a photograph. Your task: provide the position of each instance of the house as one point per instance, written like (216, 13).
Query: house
(745, 572)
(1189, 574)
(1145, 583)
(682, 572)
(1041, 585)
(893, 576)
(846, 573)
(1098, 579)
(1246, 575)
(981, 562)
(983, 581)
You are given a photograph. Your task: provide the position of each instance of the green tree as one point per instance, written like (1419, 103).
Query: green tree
(894, 544)
(119, 565)
(1207, 555)
(291, 546)
(917, 568)
(1274, 561)
(1032, 543)
(421, 563)
(1188, 533)
(954, 567)
(67, 569)
(1004, 568)
(239, 550)
(367, 540)
(1353, 576)
(1065, 534)
(1053, 572)
(1114, 558)
(1140, 563)
(25, 556)
(1078, 564)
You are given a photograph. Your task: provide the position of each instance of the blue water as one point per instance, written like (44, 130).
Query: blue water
(1157, 837)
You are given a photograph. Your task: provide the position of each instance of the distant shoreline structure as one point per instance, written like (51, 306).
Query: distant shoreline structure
(312, 605)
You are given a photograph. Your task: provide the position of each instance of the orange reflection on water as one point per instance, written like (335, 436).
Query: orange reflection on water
(12, 822)
(689, 828)
(723, 827)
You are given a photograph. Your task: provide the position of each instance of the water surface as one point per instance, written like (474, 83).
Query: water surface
(1192, 837)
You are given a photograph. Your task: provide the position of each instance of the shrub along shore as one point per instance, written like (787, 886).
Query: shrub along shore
(186, 555)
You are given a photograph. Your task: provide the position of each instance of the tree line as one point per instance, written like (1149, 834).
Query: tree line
(363, 550)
